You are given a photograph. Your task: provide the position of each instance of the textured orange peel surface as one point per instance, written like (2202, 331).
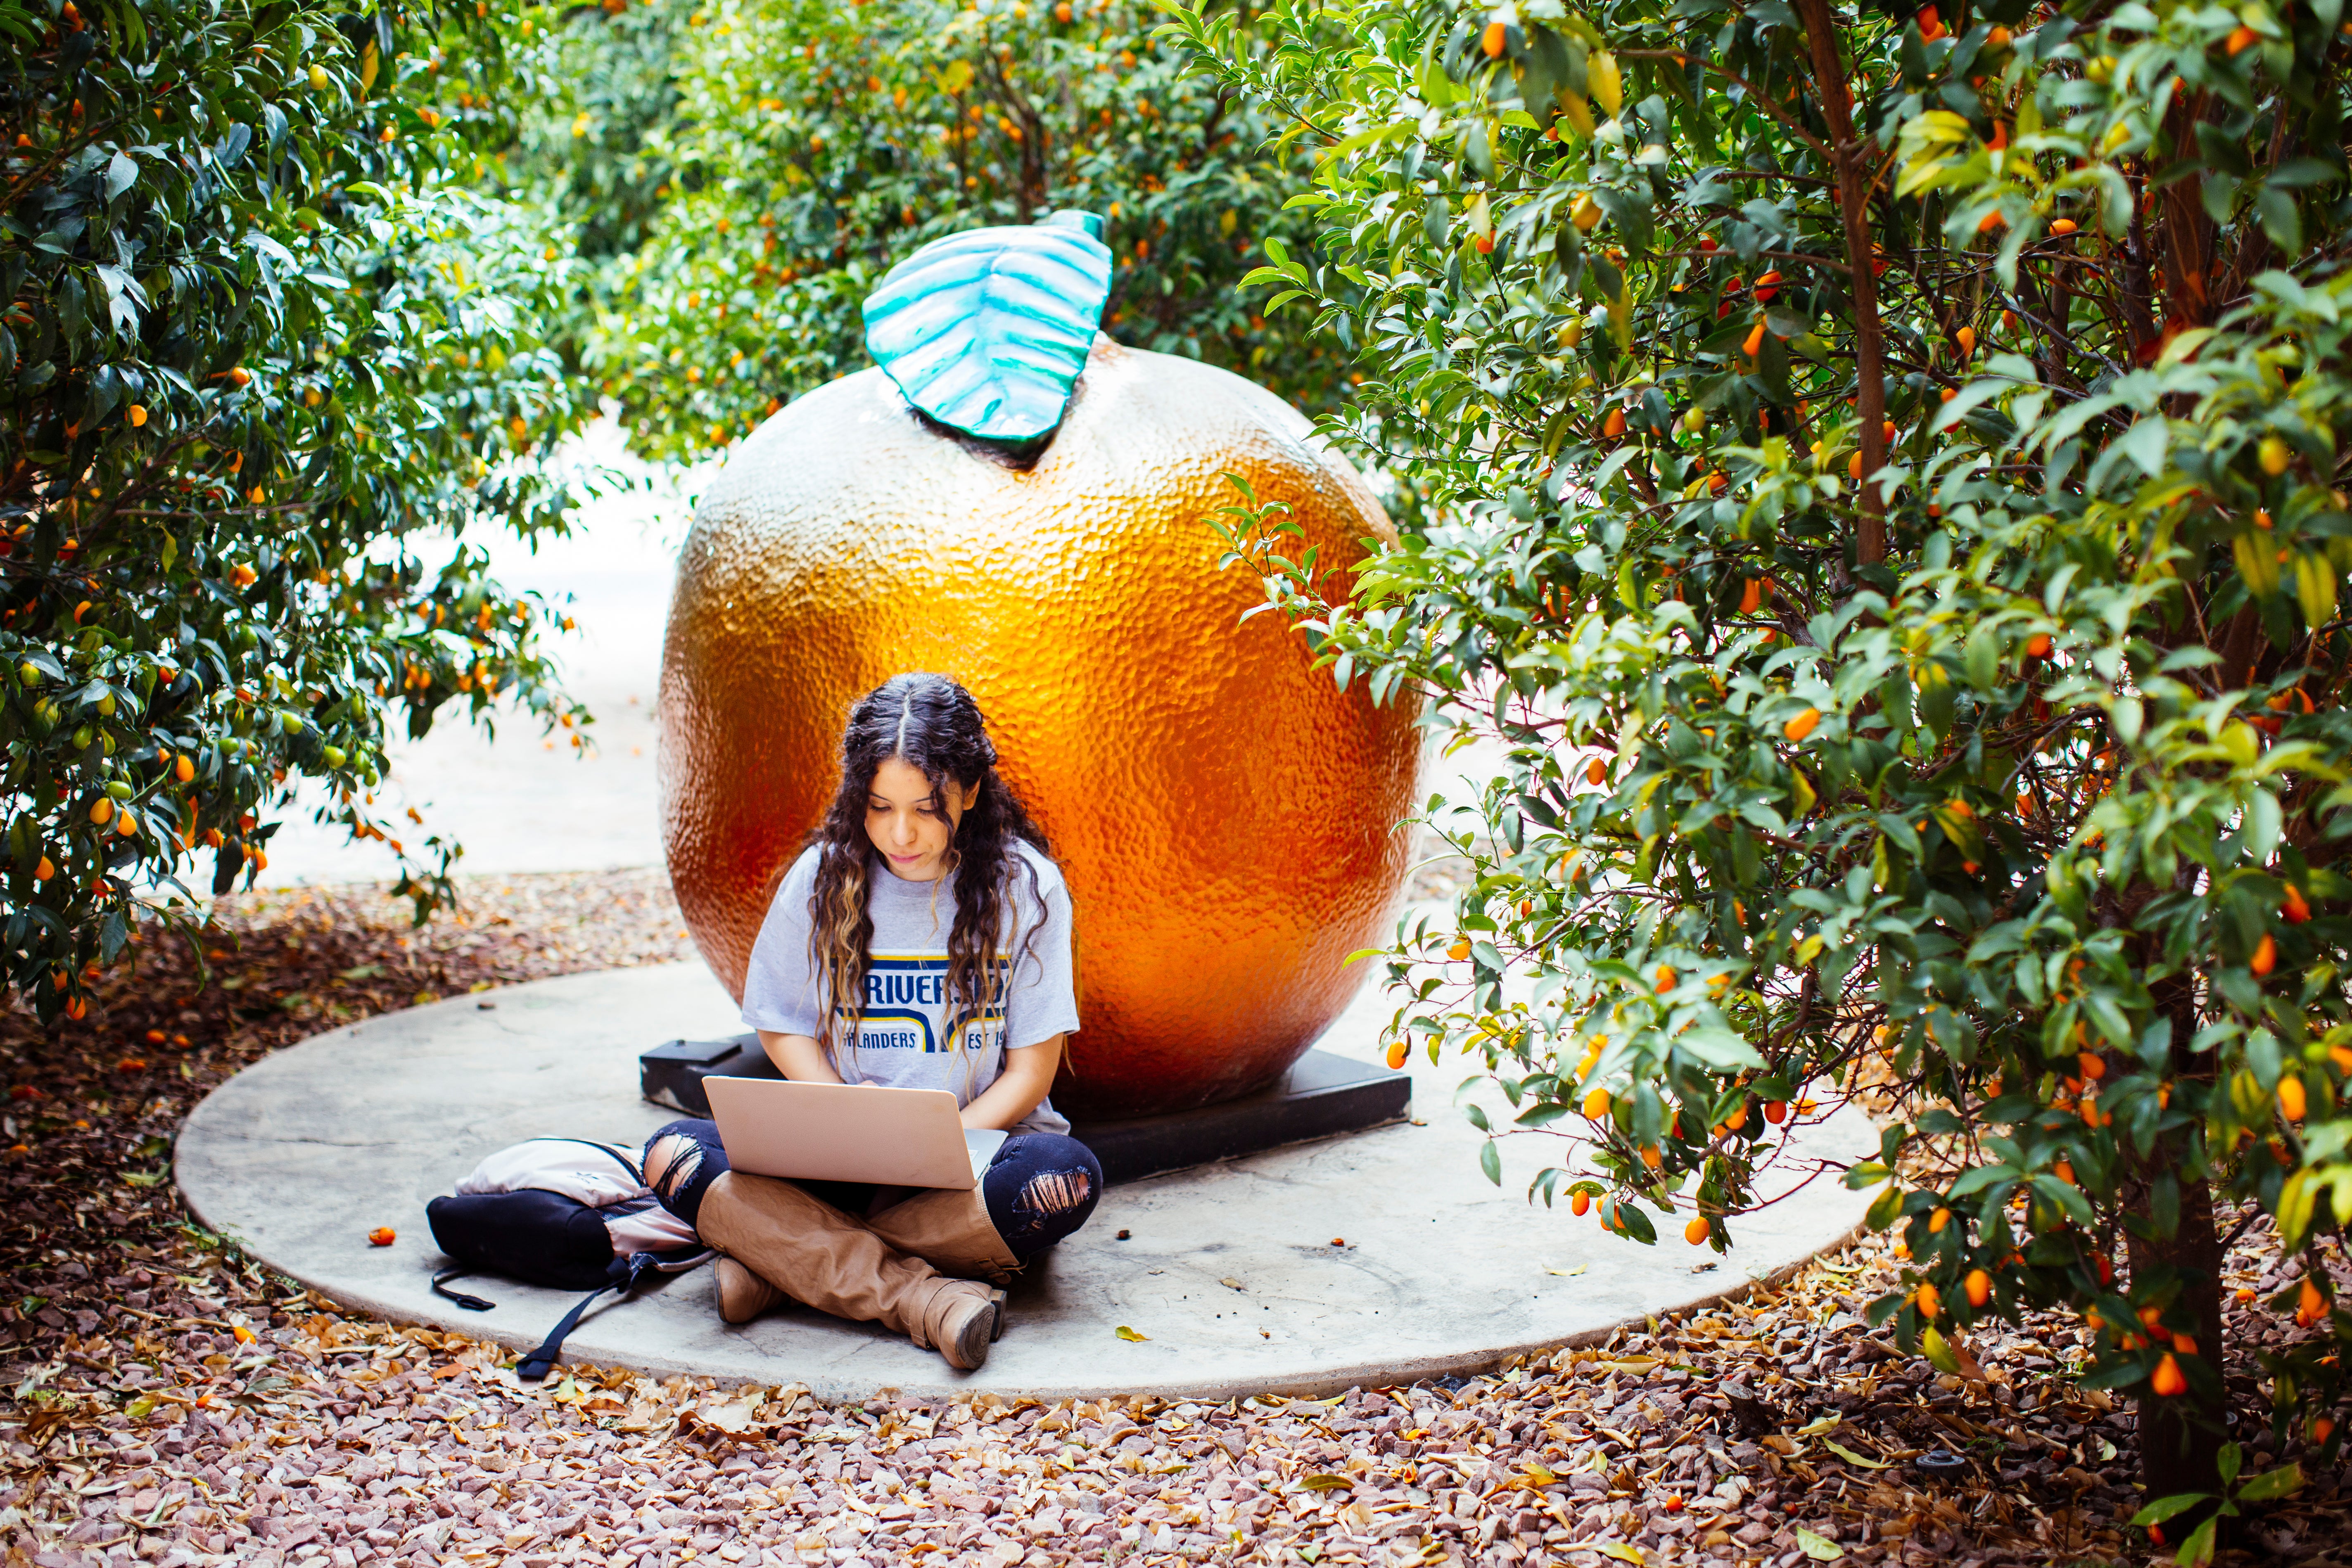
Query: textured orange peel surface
(1226, 818)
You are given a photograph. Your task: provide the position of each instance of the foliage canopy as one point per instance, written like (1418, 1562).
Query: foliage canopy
(259, 345)
(1883, 483)
(745, 194)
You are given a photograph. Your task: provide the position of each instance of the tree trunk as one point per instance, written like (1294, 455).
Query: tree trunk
(2181, 1438)
(1854, 207)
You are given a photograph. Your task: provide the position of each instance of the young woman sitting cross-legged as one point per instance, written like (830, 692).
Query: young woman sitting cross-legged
(921, 940)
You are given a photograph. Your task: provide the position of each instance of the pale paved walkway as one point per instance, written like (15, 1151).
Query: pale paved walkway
(1230, 1270)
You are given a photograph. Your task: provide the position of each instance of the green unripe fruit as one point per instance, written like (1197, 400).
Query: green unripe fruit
(119, 790)
(82, 737)
(319, 80)
(335, 755)
(289, 723)
(106, 705)
(29, 673)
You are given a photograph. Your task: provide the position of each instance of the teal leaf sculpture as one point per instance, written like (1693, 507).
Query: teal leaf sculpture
(987, 331)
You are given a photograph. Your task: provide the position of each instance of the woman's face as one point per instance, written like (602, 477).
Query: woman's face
(910, 830)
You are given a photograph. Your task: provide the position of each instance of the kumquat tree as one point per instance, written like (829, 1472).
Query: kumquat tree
(802, 148)
(1883, 489)
(258, 348)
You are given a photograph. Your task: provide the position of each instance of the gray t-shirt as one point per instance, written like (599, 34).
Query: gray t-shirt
(898, 1042)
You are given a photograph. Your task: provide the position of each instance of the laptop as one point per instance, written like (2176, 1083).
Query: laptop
(848, 1132)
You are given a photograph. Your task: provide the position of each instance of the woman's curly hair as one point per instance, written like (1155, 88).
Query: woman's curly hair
(934, 726)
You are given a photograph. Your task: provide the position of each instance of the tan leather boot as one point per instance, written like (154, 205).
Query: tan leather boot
(814, 1253)
(742, 1295)
(948, 1229)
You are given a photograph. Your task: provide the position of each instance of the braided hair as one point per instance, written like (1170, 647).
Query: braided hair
(934, 726)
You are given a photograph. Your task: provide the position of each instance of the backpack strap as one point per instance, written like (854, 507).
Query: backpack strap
(625, 1279)
(471, 1303)
(610, 1149)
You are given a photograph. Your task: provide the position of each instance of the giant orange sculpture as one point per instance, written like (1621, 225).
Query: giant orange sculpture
(1225, 817)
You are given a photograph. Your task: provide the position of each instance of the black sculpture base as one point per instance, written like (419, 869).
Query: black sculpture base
(1321, 1096)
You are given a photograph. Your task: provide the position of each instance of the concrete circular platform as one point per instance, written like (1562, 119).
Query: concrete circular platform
(1230, 1270)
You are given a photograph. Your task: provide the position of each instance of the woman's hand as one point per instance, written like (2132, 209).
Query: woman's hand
(1027, 1078)
(800, 1058)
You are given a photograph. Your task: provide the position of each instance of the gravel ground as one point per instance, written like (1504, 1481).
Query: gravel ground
(167, 1400)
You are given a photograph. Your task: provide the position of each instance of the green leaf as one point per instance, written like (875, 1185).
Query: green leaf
(2166, 1508)
(2271, 1485)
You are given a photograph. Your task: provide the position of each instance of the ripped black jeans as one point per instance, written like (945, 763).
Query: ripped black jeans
(1040, 1188)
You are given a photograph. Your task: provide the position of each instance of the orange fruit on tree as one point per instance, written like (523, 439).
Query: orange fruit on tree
(1580, 1203)
(1978, 1286)
(2265, 958)
(1697, 1231)
(2169, 1380)
(1222, 813)
(2292, 1102)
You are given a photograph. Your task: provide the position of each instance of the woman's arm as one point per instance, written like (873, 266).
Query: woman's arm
(1028, 1075)
(801, 1058)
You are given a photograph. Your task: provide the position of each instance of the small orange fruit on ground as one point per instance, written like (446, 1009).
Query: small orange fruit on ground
(382, 1236)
